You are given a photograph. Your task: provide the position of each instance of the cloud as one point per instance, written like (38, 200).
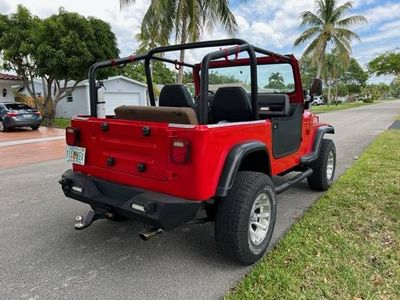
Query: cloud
(381, 13)
(4, 7)
(271, 24)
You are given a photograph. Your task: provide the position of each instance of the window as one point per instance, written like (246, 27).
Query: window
(70, 98)
(17, 106)
(272, 78)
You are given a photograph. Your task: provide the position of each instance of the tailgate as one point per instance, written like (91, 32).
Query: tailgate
(124, 147)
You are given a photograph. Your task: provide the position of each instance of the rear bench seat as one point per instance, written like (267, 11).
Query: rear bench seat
(176, 115)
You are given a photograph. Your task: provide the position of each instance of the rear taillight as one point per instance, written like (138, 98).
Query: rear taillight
(180, 152)
(12, 114)
(37, 113)
(72, 136)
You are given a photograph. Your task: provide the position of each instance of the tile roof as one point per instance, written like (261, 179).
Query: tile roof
(8, 77)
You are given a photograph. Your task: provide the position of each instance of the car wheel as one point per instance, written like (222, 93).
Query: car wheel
(3, 127)
(35, 127)
(324, 167)
(245, 218)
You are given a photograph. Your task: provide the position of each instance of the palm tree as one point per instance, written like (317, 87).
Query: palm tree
(185, 19)
(336, 63)
(328, 25)
(275, 81)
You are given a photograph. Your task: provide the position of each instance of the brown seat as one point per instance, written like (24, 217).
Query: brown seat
(177, 115)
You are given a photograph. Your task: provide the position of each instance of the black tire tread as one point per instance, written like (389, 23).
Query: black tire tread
(230, 213)
(318, 180)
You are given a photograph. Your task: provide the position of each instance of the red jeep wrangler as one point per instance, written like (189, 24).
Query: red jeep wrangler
(216, 152)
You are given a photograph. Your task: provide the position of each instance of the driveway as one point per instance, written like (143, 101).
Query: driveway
(23, 146)
(43, 257)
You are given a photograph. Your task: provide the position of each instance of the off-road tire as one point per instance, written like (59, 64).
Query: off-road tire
(319, 180)
(35, 127)
(232, 232)
(3, 127)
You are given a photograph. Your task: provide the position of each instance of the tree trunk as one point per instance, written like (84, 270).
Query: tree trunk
(182, 52)
(329, 94)
(336, 93)
(321, 59)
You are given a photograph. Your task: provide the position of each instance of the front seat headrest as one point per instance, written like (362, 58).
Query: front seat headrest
(175, 95)
(231, 104)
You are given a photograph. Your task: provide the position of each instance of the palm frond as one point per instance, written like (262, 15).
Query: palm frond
(347, 34)
(342, 46)
(309, 18)
(218, 11)
(306, 35)
(352, 20)
(125, 3)
(340, 11)
(311, 48)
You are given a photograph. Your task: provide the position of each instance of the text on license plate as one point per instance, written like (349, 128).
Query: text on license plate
(76, 155)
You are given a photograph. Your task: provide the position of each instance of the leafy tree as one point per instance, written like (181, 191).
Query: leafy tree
(276, 81)
(386, 64)
(308, 71)
(160, 73)
(335, 65)
(187, 77)
(395, 88)
(342, 89)
(328, 25)
(59, 50)
(354, 77)
(183, 19)
(375, 91)
(215, 78)
(384, 89)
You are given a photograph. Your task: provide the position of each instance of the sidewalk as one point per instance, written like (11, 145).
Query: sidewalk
(21, 147)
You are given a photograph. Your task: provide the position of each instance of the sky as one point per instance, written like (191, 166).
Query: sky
(271, 24)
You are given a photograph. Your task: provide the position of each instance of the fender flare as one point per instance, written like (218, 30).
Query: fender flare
(319, 136)
(232, 163)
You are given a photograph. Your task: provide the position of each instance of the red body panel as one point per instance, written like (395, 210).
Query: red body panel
(195, 180)
(209, 146)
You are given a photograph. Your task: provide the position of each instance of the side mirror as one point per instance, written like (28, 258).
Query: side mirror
(316, 87)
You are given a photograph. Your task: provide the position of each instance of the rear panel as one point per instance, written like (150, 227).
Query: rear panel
(115, 150)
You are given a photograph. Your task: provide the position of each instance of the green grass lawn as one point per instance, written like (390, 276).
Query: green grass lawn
(347, 246)
(62, 122)
(332, 107)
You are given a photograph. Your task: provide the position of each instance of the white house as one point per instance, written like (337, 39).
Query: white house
(6, 83)
(118, 90)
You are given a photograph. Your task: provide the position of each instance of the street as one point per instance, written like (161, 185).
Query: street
(43, 257)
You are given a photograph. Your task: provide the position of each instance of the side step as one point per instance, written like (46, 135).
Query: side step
(287, 184)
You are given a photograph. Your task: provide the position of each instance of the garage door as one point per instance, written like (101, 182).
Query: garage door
(114, 100)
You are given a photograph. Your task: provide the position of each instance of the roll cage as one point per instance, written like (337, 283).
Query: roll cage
(239, 46)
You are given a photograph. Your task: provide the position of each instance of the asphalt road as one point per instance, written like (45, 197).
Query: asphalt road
(43, 257)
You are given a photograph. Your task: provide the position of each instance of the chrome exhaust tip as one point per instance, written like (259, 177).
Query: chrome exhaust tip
(149, 233)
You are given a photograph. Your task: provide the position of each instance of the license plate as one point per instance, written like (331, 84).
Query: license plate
(27, 116)
(76, 155)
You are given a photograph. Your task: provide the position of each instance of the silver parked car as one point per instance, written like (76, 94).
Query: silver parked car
(317, 101)
(16, 114)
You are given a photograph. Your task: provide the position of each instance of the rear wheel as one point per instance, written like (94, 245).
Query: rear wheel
(245, 219)
(35, 127)
(324, 167)
(3, 127)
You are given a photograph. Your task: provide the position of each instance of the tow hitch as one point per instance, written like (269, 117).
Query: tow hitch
(91, 216)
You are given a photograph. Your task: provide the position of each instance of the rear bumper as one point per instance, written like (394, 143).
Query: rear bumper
(12, 122)
(160, 210)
